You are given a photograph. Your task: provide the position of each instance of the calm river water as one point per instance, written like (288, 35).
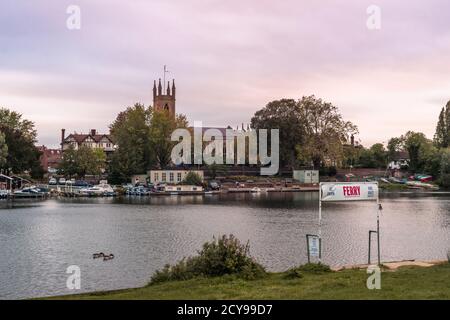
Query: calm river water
(40, 239)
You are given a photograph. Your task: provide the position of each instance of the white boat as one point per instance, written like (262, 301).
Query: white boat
(29, 192)
(255, 190)
(103, 189)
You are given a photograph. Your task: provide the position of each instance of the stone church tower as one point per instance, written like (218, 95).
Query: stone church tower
(164, 100)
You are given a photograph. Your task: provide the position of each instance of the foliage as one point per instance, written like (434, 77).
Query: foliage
(131, 133)
(162, 125)
(193, 179)
(442, 135)
(293, 273)
(223, 256)
(315, 268)
(312, 131)
(81, 162)
(325, 132)
(284, 115)
(418, 147)
(444, 179)
(3, 150)
(394, 146)
(19, 137)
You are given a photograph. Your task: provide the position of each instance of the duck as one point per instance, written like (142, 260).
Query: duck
(98, 255)
(108, 257)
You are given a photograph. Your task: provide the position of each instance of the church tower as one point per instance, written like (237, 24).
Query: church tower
(164, 100)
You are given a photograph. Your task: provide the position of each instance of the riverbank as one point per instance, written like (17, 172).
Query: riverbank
(403, 283)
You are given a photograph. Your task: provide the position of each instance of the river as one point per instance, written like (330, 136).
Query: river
(40, 239)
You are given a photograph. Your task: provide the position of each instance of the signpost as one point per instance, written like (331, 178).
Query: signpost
(314, 246)
(349, 191)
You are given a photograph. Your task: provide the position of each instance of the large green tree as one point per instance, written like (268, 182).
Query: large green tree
(286, 116)
(131, 133)
(442, 135)
(419, 149)
(20, 137)
(3, 150)
(82, 161)
(162, 125)
(325, 132)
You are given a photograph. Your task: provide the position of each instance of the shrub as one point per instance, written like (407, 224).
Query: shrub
(223, 256)
(315, 268)
(192, 178)
(294, 273)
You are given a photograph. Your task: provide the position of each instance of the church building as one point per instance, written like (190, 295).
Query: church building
(164, 99)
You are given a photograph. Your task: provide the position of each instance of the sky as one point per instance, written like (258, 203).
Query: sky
(229, 59)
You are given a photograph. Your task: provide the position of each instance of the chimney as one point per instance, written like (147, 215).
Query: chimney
(63, 134)
(93, 132)
(352, 140)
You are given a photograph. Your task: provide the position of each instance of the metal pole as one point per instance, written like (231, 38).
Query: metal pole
(307, 248)
(370, 243)
(320, 222)
(378, 237)
(379, 208)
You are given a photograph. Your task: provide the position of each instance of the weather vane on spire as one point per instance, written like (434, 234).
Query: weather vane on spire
(165, 71)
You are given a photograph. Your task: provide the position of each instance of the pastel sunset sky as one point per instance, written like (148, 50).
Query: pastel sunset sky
(228, 58)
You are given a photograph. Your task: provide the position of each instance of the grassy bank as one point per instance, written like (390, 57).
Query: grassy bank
(404, 283)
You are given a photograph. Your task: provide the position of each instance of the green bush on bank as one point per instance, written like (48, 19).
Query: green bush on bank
(310, 268)
(222, 256)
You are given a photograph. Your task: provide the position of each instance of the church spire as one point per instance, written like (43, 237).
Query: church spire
(168, 88)
(154, 90)
(159, 87)
(173, 88)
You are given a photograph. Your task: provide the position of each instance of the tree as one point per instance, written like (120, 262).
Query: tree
(131, 133)
(418, 147)
(379, 155)
(81, 162)
(89, 161)
(3, 150)
(284, 115)
(192, 178)
(325, 132)
(442, 135)
(162, 125)
(20, 137)
(69, 165)
(394, 146)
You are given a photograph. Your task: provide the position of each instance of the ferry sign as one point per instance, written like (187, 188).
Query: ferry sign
(348, 191)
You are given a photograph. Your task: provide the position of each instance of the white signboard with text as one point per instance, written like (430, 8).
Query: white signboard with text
(314, 246)
(349, 191)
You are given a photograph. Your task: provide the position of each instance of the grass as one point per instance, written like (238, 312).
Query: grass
(405, 283)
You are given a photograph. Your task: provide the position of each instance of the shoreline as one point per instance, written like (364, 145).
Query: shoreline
(419, 280)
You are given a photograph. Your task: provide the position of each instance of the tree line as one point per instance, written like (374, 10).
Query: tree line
(312, 133)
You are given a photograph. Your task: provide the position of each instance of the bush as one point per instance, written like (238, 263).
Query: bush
(315, 268)
(223, 256)
(193, 179)
(294, 273)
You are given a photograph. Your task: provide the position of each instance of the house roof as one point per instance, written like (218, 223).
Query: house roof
(401, 155)
(79, 138)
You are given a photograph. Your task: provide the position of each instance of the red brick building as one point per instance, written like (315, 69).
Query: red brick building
(50, 159)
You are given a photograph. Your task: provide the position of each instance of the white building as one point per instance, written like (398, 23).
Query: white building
(306, 176)
(171, 176)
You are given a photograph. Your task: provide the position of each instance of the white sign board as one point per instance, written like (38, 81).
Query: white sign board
(314, 246)
(349, 191)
